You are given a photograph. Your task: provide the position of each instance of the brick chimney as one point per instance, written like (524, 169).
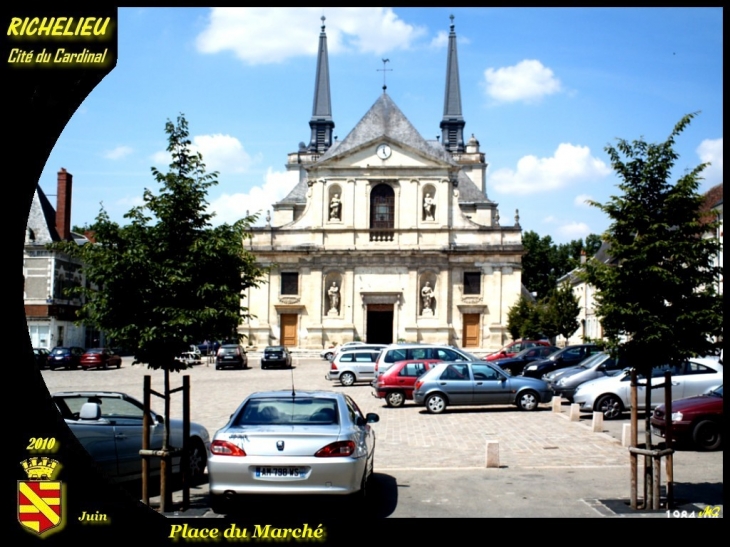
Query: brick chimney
(63, 204)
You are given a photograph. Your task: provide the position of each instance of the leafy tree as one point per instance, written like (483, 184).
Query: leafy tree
(659, 303)
(560, 316)
(524, 319)
(545, 262)
(168, 278)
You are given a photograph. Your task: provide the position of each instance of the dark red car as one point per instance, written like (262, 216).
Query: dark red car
(395, 385)
(695, 420)
(100, 358)
(513, 348)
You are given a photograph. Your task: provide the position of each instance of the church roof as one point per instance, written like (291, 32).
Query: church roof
(42, 220)
(385, 120)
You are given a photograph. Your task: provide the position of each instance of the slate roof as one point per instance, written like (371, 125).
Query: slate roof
(385, 120)
(42, 219)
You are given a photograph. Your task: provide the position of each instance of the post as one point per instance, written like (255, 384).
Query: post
(146, 441)
(185, 460)
(634, 458)
(492, 454)
(668, 438)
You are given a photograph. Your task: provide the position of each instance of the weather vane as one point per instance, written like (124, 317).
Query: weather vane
(384, 70)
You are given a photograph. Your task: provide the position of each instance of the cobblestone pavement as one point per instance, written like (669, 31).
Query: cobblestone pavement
(407, 437)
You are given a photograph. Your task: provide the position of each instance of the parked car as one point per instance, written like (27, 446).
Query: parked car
(109, 426)
(513, 348)
(276, 356)
(515, 365)
(329, 353)
(281, 442)
(401, 352)
(611, 395)
(100, 358)
(396, 384)
(353, 366)
(345, 349)
(231, 355)
(208, 347)
(192, 356)
(477, 383)
(41, 357)
(597, 366)
(695, 420)
(65, 357)
(566, 357)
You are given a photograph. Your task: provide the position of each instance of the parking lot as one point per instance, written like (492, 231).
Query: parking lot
(424, 459)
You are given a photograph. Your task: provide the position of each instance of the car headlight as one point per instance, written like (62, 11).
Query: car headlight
(677, 416)
(561, 382)
(532, 367)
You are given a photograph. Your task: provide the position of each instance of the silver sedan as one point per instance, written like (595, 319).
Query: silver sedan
(282, 442)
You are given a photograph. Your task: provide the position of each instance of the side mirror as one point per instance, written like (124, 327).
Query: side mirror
(371, 418)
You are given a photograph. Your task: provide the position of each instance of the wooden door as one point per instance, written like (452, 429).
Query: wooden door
(471, 330)
(289, 330)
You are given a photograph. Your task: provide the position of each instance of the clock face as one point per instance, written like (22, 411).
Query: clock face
(383, 151)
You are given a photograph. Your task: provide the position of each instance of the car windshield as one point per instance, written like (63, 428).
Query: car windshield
(288, 411)
(717, 392)
(95, 350)
(274, 348)
(593, 360)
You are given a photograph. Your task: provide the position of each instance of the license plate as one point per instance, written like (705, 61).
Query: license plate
(228, 357)
(290, 472)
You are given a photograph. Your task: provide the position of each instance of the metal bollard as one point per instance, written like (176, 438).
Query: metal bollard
(492, 454)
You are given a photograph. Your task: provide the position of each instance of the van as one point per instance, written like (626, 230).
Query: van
(402, 352)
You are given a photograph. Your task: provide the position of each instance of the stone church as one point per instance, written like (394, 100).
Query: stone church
(385, 236)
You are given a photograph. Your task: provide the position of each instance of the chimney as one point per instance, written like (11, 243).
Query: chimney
(582, 256)
(63, 204)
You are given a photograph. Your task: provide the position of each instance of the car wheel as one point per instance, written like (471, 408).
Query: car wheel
(395, 399)
(436, 403)
(198, 460)
(528, 400)
(328, 355)
(611, 407)
(707, 435)
(347, 378)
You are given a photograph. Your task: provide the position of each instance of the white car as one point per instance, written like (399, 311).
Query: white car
(353, 366)
(611, 395)
(329, 353)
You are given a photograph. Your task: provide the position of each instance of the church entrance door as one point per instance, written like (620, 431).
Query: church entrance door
(379, 324)
(471, 330)
(289, 329)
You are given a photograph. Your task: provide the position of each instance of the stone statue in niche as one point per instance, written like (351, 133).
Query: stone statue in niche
(427, 299)
(335, 208)
(334, 295)
(429, 205)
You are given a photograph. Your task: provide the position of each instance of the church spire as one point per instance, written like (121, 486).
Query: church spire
(452, 124)
(321, 122)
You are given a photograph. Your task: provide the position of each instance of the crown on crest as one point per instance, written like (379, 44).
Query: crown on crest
(41, 469)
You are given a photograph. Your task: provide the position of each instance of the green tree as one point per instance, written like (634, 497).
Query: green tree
(524, 319)
(560, 316)
(168, 278)
(659, 304)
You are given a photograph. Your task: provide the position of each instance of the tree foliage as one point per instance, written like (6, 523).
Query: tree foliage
(545, 262)
(659, 303)
(560, 316)
(168, 278)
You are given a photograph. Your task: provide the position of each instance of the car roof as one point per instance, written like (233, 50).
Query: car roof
(117, 394)
(287, 393)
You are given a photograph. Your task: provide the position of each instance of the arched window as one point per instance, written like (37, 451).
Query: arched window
(382, 213)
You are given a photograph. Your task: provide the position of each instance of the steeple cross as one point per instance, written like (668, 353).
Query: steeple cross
(384, 70)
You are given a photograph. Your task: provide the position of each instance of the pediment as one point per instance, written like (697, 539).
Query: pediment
(399, 155)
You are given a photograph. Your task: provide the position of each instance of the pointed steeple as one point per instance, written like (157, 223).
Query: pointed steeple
(321, 122)
(452, 124)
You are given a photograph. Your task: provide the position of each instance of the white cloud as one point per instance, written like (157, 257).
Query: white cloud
(581, 200)
(710, 151)
(118, 153)
(574, 230)
(527, 81)
(549, 219)
(220, 153)
(569, 164)
(231, 207)
(440, 40)
(272, 35)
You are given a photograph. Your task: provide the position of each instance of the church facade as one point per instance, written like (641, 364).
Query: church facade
(385, 236)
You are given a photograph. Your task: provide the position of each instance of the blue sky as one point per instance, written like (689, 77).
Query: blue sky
(544, 90)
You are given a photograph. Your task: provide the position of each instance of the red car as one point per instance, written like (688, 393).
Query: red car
(695, 420)
(396, 384)
(513, 348)
(100, 358)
